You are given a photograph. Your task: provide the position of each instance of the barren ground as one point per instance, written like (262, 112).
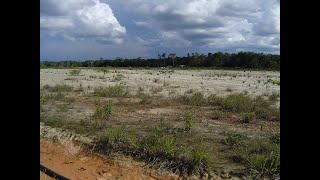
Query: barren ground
(138, 118)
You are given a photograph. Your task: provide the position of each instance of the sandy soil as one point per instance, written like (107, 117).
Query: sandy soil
(221, 82)
(83, 166)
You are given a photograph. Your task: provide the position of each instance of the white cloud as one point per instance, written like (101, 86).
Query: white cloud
(212, 23)
(81, 19)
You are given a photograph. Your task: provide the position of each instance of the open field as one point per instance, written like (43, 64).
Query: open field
(214, 124)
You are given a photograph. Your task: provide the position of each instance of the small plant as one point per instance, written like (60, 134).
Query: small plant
(199, 158)
(113, 135)
(111, 91)
(155, 90)
(102, 114)
(188, 122)
(247, 117)
(145, 99)
(119, 77)
(214, 100)
(216, 114)
(156, 80)
(74, 72)
(190, 91)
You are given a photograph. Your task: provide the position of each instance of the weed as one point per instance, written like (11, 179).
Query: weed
(111, 91)
(188, 122)
(74, 72)
(145, 99)
(113, 135)
(102, 114)
(155, 90)
(246, 117)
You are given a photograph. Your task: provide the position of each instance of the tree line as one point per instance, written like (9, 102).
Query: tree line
(245, 60)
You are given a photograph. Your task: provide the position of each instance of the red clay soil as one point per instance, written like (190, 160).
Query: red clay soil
(82, 166)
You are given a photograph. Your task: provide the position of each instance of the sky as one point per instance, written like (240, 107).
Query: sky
(108, 29)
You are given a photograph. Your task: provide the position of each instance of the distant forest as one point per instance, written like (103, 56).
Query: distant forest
(240, 60)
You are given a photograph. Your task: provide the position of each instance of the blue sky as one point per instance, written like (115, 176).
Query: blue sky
(93, 29)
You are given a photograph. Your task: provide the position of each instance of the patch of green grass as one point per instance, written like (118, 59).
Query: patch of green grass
(190, 91)
(273, 82)
(155, 90)
(246, 117)
(54, 121)
(189, 123)
(238, 103)
(111, 91)
(75, 72)
(217, 114)
(58, 88)
(214, 100)
(197, 99)
(103, 113)
(261, 156)
(113, 135)
(118, 77)
(145, 99)
(199, 157)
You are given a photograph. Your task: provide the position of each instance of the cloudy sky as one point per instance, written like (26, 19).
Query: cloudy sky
(93, 29)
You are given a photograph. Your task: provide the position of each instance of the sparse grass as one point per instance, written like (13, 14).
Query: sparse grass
(261, 156)
(103, 113)
(274, 97)
(58, 88)
(189, 123)
(217, 114)
(156, 80)
(118, 77)
(111, 91)
(54, 121)
(214, 100)
(197, 99)
(273, 82)
(75, 72)
(199, 158)
(190, 91)
(145, 99)
(155, 90)
(113, 135)
(246, 117)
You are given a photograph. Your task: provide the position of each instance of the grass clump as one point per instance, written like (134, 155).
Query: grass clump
(113, 135)
(75, 72)
(155, 90)
(217, 114)
(189, 123)
(103, 113)
(111, 91)
(199, 158)
(247, 117)
(118, 77)
(197, 99)
(261, 156)
(58, 88)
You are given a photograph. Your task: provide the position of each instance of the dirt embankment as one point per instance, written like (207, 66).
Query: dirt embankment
(63, 156)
